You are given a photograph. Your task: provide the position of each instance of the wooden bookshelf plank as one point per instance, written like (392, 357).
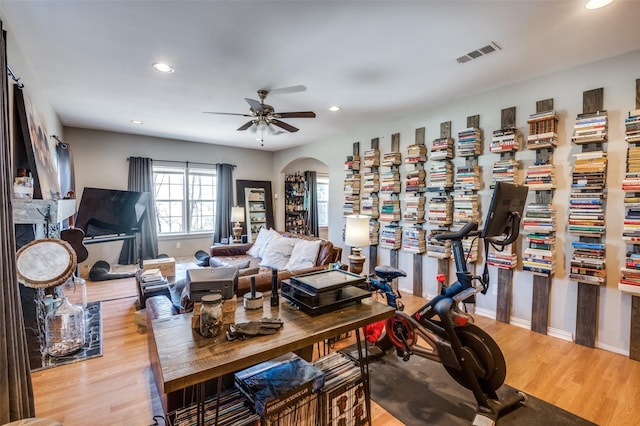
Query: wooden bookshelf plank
(540, 303)
(587, 314)
(505, 289)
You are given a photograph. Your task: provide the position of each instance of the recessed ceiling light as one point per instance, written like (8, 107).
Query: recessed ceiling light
(136, 121)
(335, 108)
(163, 67)
(597, 4)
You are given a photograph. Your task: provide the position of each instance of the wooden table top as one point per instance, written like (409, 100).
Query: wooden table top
(186, 358)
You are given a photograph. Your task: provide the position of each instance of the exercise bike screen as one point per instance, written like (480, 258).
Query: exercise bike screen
(508, 198)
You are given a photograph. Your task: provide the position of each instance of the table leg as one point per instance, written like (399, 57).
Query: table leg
(200, 401)
(363, 361)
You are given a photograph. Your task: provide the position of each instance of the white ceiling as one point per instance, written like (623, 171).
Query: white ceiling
(377, 59)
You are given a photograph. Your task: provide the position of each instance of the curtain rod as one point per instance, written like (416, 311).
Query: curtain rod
(189, 162)
(15, 77)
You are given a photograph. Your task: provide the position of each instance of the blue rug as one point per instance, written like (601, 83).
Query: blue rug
(92, 347)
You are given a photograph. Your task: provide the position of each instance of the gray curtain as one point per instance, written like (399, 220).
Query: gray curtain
(16, 390)
(141, 180)
(224, 197)
(312, 189)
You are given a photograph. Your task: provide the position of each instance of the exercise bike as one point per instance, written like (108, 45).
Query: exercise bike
(441, 331)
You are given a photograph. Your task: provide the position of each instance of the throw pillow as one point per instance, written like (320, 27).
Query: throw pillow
(217, 262)
(264, 235)
(277, 252)
(304, 255)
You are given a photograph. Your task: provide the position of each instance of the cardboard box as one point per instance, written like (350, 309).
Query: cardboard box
(167, 266)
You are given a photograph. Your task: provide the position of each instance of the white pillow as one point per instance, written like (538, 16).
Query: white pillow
(277, 252)
(264, 235)
(304, 255)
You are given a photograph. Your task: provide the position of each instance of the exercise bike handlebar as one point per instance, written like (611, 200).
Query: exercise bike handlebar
(466, 231)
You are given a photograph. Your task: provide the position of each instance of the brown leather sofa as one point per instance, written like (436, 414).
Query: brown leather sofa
(236, 253)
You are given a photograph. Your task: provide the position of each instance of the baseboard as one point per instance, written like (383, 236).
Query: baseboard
(522, 323)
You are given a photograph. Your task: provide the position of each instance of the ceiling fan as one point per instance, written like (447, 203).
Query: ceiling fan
(264, 117)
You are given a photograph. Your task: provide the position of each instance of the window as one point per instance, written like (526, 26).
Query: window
(185, 198)
(322, 187)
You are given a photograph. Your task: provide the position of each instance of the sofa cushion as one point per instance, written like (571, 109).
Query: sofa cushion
(263, 238)
(304, 255)
(278, 251)
(229, 263)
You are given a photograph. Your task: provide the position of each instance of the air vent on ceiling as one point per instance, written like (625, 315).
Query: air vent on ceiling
(485, 50)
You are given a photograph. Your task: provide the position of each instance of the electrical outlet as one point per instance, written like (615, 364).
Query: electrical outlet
(177, 245)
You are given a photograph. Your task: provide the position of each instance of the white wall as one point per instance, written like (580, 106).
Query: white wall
(101, 161)
(617, 76)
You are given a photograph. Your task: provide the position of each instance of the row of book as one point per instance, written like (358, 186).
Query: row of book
(438, 249)
(590, 128)
(414, 240)
(467, 179)
(543, 128)
(440, 176)
(470, 142)
(371, 158)
(505, 140)
(442, 149)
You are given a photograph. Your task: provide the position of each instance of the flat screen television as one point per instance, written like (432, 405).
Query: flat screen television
(105, 212)
(508, 198)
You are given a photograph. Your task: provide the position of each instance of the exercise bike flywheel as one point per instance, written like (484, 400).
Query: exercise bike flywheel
(400, 331)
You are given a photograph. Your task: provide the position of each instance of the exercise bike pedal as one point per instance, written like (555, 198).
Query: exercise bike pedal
(404, 354)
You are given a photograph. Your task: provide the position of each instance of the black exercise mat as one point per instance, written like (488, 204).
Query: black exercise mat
(421, 392)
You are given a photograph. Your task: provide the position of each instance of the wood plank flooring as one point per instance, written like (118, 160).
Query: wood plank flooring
(118, 388)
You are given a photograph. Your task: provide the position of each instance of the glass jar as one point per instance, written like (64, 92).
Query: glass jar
(211, 315)
(74, 289)
(65, 329)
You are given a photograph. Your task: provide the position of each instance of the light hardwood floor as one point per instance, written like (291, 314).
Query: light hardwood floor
(118, 388)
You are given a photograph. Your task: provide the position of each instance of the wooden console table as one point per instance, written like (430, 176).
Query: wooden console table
(187, 359)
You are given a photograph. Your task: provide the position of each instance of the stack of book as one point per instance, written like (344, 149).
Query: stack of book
(374, 232)
(391, 237)
(234, 410)
(539, 218)
(283, 390)
(467, 179)
(504, 259)
(470, 248)
(588, 263)
(352, 163)
(370, 182)
(414, 240)
(441, 210)
(370, 206)
(343, 396)
(389, 180)
(540, 177)
(416, 154)
(505, 171)
(371, 158)
(414, 208)
(542, 130)
(586, 203)
(466, 208)
(438, 249)
(632, 127)
(152, 279)
(351, 194)
(469, 142)
(505, 140)
(391, 159)
(442, 149)
(440, 176)
(630, 281)
(390, 210)
(539, 256)
(590, 127)
(414, 181)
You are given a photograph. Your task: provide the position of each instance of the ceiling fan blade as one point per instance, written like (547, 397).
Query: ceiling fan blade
(289, 89)
(246, 125)
(256, 106)
(299, 114)
(227, 113)
(283, 125)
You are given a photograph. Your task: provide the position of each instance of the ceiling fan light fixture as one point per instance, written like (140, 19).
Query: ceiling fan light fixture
(162, 67)
(254, 127)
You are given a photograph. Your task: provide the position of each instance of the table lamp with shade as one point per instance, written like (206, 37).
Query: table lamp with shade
(356, 235)
(237, 216)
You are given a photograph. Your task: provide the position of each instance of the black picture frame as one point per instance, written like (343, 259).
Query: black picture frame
(241, 185)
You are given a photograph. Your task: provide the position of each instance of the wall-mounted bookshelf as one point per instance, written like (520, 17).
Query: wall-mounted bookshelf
(370, 204)
(630, 281)
(586, 212)
(390, 210)
(539, 221)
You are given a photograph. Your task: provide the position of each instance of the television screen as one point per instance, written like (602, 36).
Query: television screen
(110, 211)
(507, 198)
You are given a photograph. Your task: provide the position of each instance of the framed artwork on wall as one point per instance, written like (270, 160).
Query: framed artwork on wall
(39, 148)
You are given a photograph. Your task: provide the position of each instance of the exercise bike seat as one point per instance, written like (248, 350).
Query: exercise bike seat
(388, 273)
